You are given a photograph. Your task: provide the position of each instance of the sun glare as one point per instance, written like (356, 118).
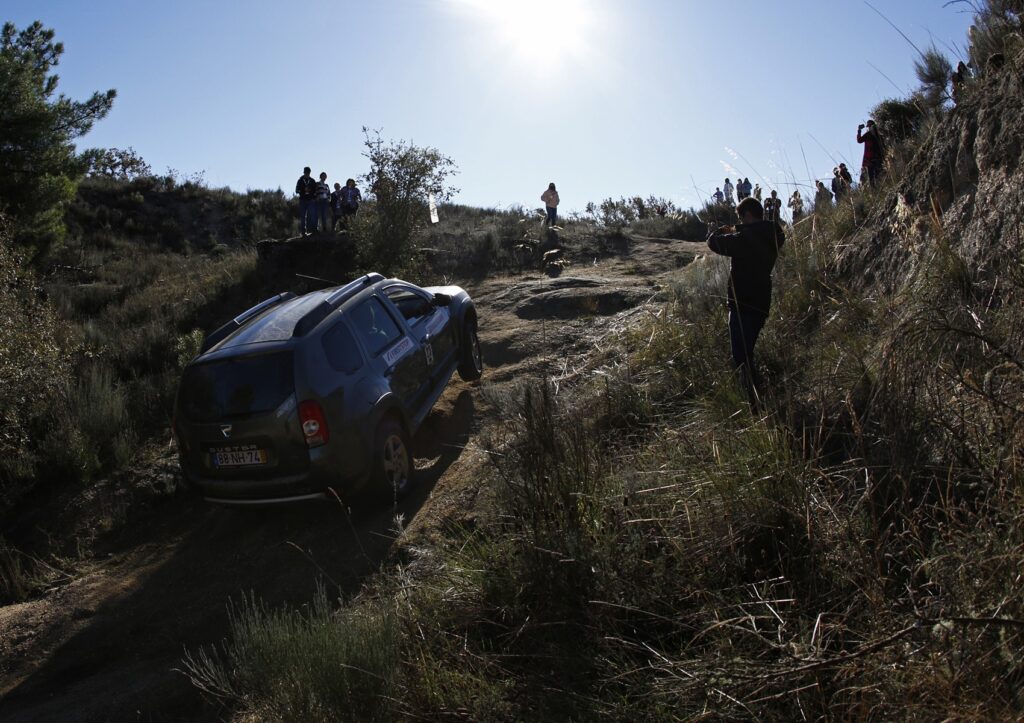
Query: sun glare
(538, 36)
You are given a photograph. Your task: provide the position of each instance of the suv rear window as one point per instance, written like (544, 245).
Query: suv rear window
(237, 386)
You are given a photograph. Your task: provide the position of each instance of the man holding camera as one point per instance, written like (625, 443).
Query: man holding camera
(874, 152)
(753, 246)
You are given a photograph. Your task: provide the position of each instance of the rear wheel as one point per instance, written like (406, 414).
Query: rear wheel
(392, 461)
(471, 360)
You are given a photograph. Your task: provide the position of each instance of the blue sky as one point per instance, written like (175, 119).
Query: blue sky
(604, 98)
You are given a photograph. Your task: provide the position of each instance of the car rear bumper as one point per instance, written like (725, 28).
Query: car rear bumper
(313, 484)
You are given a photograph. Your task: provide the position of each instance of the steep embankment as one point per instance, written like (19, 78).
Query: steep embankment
(106, 642)
(963, 185)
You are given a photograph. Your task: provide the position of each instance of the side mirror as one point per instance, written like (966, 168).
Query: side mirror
(441, 300)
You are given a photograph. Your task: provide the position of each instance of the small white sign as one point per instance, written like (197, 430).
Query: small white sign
(433, 208)
(392, 355)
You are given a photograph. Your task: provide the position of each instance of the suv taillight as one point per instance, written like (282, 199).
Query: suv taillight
(314, 423)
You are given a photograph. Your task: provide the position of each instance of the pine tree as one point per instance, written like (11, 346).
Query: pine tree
(39, 164)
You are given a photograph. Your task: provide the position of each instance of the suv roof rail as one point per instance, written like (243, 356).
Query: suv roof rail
(321, 311)
(242, 319)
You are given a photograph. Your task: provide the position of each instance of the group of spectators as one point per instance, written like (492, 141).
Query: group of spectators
(724, 194)
(842, 180)
(771, 207)
(316, 198)
(871, 168)
(754, 244)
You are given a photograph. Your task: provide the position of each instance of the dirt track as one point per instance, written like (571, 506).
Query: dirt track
(105, 645)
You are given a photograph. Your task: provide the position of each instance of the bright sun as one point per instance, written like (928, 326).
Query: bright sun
(540, 36)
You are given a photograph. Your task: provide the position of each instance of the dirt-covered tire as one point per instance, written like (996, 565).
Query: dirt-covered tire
(471, 360)
(393, 468)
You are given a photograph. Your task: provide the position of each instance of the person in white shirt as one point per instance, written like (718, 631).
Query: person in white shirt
(323, 201)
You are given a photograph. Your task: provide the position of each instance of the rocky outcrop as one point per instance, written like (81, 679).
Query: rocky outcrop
(327, 256)
(570, 297)
(964, 186)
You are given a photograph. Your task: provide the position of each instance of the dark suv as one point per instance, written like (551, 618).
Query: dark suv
(300, 395)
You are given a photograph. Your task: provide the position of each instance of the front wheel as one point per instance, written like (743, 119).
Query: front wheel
(471, 360)
(393, 467)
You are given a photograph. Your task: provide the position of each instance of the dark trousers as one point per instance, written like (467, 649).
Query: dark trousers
(744, 328)
(307, 214)
(552, 215)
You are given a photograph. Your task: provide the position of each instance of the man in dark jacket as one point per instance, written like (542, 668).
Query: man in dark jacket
(753, 247)
(306, 188)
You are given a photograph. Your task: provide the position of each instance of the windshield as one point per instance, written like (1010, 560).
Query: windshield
(236, 387)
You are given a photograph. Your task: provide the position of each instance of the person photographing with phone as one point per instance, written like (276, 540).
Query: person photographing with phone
(753, 246)
(874, 152)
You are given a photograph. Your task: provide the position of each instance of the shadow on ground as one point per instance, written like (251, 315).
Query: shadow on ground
(170, 596)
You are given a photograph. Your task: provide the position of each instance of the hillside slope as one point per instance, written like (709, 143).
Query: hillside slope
(109, 641)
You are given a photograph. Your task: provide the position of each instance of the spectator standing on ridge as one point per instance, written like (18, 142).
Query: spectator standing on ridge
(323, 201)
(350, 198)
(796, 206)
(550, 199)
(719, 196)
(335, 206)
(742, 190)
(305, 187)
(844, 172)
(874, 152)
(727, 191)
(753, 247)
(838, 185)
(757, 192)
(772, 206)
(823, 198)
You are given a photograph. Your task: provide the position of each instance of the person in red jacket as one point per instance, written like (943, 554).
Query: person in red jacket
(874, 152)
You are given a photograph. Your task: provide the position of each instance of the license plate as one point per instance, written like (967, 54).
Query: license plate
(238, 456)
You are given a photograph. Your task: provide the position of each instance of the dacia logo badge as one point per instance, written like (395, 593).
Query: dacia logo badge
(225, 429)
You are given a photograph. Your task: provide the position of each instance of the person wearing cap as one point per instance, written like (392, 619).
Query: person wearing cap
(305, 187)
(757, 191)
(874, 152)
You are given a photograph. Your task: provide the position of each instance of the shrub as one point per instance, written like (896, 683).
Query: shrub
(401, 177)
(316, 664)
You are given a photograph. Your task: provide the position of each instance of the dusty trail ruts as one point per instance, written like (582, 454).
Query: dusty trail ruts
(105, 646)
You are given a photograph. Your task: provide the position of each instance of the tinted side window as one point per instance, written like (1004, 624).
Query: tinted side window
(342, 352)
(412, 306)
(376, 327)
